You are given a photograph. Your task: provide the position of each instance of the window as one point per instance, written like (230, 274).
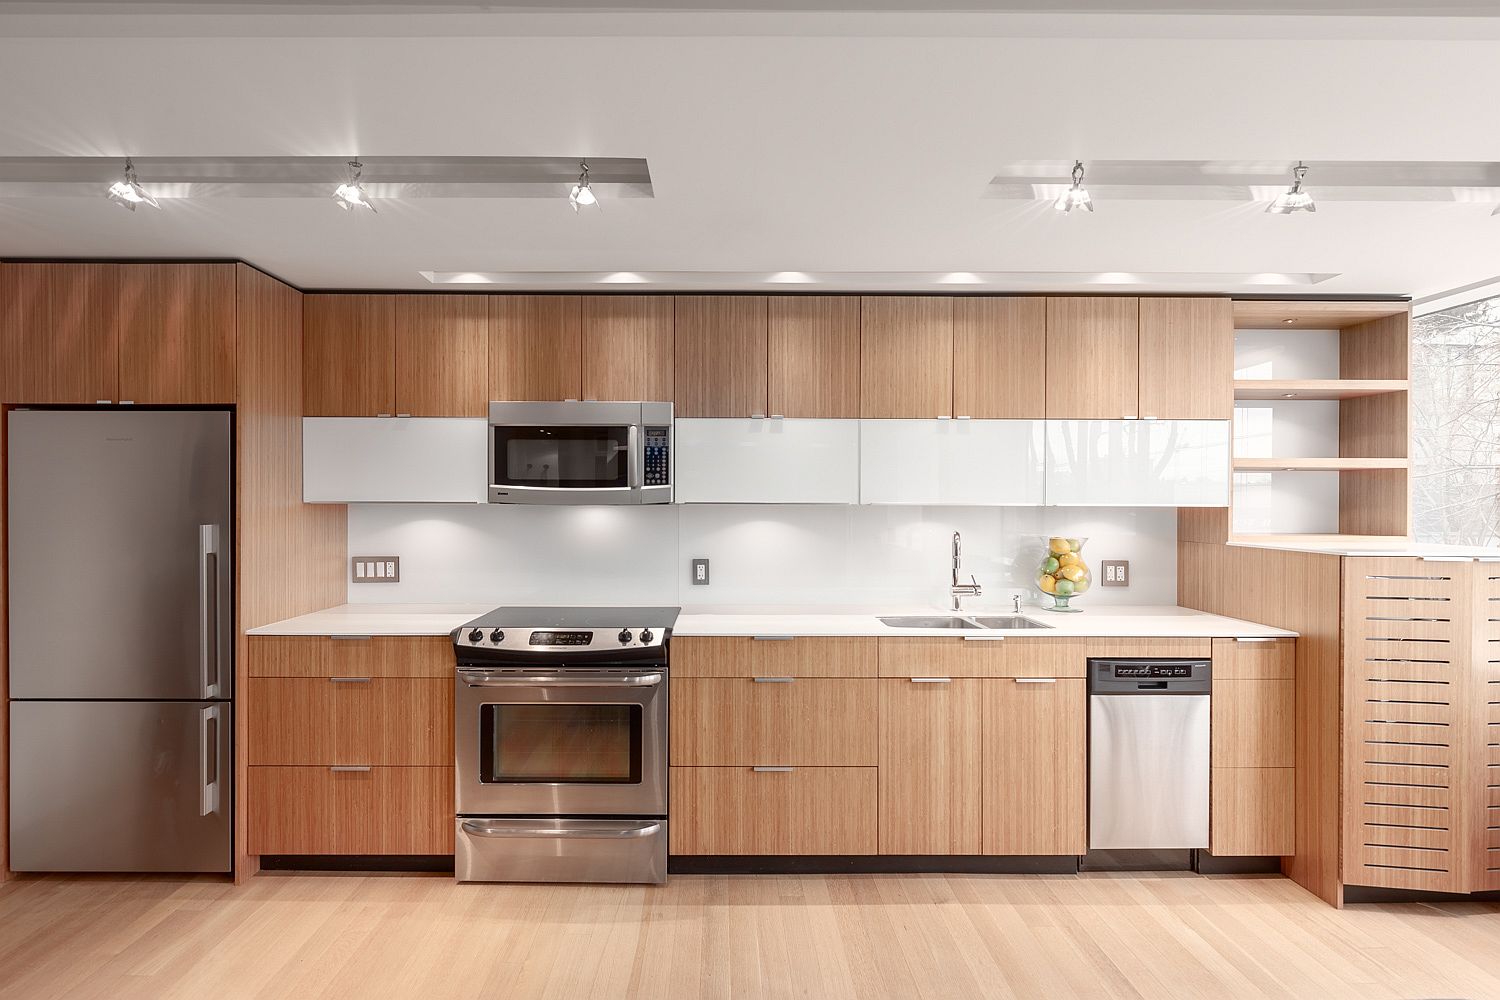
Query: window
(1455, 425)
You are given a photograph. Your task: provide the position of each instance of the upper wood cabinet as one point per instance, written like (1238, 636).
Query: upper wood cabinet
(348, 355)
(534, 347)
(906, 356)
(1093, 358)
(721, 355)
(627, 347)
(59, 332)
(1187, 359)
(442, 355)
(177, 333)
(1000, 357)
(813, 356)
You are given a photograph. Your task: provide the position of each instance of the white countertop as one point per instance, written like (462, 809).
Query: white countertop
(1405, 549)
(1161, 621)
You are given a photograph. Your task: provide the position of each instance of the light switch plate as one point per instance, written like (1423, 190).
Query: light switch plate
(700, 572)
(1116, 572)
(375, 569)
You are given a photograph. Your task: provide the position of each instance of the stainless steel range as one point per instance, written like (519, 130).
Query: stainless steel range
(561, 745)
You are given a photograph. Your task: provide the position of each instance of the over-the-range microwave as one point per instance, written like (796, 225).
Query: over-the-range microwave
(580, 453)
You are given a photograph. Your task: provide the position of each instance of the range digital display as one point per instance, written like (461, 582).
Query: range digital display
(561, 638)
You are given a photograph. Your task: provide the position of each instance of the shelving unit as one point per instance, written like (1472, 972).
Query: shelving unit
(1316, 464)
(1316, 388)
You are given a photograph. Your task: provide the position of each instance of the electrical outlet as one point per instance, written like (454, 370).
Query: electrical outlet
(1116, 572)
(375, 569)
(700, 572)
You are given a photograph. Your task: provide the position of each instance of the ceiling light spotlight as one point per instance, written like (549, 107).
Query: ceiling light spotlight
(582, 193)
(1293, 199)
(351, 193)
(1076, 196)
(128, 193)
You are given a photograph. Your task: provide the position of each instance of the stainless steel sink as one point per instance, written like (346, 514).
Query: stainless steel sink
(1009, 621)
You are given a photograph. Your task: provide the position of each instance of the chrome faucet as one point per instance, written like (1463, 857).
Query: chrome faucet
(961, 590)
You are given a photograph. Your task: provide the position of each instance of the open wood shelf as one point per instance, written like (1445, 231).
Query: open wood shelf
(1317, 464)
(1290, 314)
(1316, 388)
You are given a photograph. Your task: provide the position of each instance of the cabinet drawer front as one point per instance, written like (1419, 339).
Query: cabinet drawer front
(1239, 659)
(290, 720)
(747, 656)
(1251, 813)
(805, 810)
(1252, 723)
(383, 810)
(816, 721)
(351, 656)
(1195, 648)
(1011, 656)
(321, 721)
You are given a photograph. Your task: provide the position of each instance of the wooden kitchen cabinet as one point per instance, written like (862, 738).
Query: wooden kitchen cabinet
(627, 347)
(1093, 358)
(350, 721)
(906, 356)
(813, 356)
(790, 811)
(1252, 811)
(1186, 359)
(1000, 358)
(177, 333)
(381, 810)
(534, 347)
(1034, 766)
(348, 355)
(1252, 723)
(1011, 656)
(930, 755)
(811, 721)
(749, 656)
(351, 656)
(442, 355)
(59, 332)
(721, 355)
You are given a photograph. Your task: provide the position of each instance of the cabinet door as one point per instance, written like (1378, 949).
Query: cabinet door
(1187, 359)
(788, 810)
(379, 810)
(534, 347)
(805, 721)
(767, 461)
(1034, 765)
(442, 355)
(349, 355)
(177, 333)
(1093, 358)
(929, 766)
(813, 356)
(906, 356)
(1000, 357)
(964, 462)
(1252, 723)
(627, 347)
(1138, 463)
(59, 332)
(1252, 812)
(721, 355)
(370, 460)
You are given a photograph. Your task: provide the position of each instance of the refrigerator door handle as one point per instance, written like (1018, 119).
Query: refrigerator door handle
(208, 609)
(209, 720)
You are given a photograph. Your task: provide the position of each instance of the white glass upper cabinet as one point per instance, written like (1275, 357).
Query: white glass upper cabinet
(1138, 463)
(394, 459)
(952, 462)
(766, 460)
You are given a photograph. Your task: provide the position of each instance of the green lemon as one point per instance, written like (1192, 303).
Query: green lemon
(1050, 566)
(1064, 588)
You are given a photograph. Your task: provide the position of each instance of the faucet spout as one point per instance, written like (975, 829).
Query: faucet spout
(960, 590)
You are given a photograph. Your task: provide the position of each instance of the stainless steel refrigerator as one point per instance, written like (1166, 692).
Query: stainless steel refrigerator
(121, 639)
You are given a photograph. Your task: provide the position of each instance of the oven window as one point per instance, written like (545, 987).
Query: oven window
(560, 744)
(565, 457)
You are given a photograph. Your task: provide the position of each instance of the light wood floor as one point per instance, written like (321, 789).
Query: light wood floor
(939, 937)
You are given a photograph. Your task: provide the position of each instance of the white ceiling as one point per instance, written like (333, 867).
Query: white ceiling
(832, 144)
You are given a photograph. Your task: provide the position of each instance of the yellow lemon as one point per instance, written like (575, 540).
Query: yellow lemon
(1059, 546)
(1047, 583)
(1068, 559)
(1071, 573)
(1081, 585)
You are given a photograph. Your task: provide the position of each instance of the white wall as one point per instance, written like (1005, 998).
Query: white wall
(768, 555)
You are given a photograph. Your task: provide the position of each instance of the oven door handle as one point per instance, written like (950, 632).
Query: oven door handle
(599, 831)
(483, 680)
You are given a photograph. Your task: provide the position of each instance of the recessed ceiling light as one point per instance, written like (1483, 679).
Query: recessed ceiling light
(1076, 196)
(1293, 199)
(582, 193)
(1289, 322)
(351, 193)
(1288, 395)
(128, 193)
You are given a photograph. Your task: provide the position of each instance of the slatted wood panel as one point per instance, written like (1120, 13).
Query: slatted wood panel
(1487, 656)
(1406, 683)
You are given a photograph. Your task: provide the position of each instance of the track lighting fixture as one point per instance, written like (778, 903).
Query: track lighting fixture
(1076, 196)
(128, 193)
(1293, 199)
(582, 193)
(351, 193)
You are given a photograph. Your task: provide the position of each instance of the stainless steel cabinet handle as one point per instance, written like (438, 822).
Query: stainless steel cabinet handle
(481, 828)
(932, 680)
(1251, 638)
(403, 414)
(963, 416)
(984, 638)
(778, 416)
(1036, 680)
(351, 638)
(208, 609)
(757, 416)
(772, 638)
(773, 680)
(349, 767)
(772, 770)
(208, 760)
(562, 680)
(348, 680)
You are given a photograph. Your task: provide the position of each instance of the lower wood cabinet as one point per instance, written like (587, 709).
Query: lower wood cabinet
(1252, 811)
(1034, 786)
(930, 765)
(373, 810)
(806, 721)
(1252, 748)
(785, 810)
(351, 656)
(348, 720)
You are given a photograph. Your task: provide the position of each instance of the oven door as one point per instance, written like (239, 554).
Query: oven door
(565, 463)
(584, 742)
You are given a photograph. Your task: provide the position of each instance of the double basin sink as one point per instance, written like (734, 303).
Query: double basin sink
(963, 622)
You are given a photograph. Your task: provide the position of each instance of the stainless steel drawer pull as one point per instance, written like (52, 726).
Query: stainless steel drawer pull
(984, 638)
(772, 638)
(351, 638)
(1255, 638)
(773, 680)
(1036, 680)
(350, 767)
(349, 680)
(772, 770)
(600, 831)
(932, 680)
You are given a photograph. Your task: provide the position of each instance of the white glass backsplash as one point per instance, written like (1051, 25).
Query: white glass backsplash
(761, 554)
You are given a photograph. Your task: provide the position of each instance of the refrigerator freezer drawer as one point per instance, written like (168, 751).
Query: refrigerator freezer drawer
(99, 786)
(1148, 772)
(560, 850)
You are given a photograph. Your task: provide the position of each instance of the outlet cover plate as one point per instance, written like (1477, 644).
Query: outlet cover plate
(700, 573)
(375, 569)
(1114, 573)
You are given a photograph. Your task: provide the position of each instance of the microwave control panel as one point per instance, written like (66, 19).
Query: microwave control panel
(658, 456)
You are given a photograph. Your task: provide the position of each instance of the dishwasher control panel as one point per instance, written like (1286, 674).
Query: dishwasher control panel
(1146, 676)
(1152, 670)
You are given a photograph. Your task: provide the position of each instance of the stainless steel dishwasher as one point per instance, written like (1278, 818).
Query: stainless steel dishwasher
(1148, 753)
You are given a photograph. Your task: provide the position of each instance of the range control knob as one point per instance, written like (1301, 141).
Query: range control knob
(475, 635)
(497, 636)
(646, 635)
(624, 635)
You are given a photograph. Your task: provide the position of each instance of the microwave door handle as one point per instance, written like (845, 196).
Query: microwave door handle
(637, 478)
